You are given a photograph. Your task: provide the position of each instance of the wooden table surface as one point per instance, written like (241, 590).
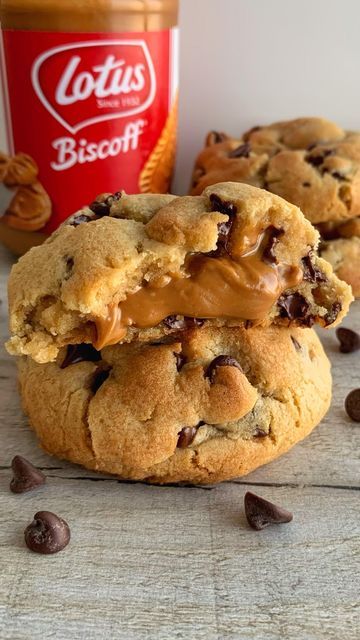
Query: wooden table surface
(167, 563)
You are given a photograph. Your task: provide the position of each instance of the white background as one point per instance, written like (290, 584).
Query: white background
(248, 62)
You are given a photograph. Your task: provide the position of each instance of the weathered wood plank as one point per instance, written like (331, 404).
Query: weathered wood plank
(159, 563)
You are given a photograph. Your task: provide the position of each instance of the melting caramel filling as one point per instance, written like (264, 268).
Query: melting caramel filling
(242, 287)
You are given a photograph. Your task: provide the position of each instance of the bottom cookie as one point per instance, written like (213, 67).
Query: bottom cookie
(211, 405)
(344, 256)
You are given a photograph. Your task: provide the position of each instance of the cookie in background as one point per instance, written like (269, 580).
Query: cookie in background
(310, 162)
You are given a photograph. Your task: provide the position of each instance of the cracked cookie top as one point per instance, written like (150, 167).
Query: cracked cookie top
(310, 162)
(201, 407)
(146, 266)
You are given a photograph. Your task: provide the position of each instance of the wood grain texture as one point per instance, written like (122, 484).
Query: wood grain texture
(164, 563)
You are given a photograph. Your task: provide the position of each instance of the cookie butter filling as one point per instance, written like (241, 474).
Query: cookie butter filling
(243, 287)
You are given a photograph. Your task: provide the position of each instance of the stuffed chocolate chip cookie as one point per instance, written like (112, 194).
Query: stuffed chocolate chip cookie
(143, 267)
(209, 405)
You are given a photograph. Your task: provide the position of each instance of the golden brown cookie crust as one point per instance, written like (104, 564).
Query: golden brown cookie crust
(344, 256)
(130, 425)
(57, 292)
(310, 162)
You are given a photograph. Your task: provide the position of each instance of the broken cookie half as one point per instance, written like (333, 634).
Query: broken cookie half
(142, 267)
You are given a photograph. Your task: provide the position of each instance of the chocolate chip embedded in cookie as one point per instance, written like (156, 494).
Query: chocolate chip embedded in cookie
(234, 256)
(310, 162)
(226, 410)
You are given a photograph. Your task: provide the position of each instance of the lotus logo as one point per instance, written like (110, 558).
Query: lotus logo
(85, 83)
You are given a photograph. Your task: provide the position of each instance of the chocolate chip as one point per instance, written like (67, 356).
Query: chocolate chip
(293, 306)
(311, 272)
(214, 137)
(174, 322)
(220, 361)
(349, 340)
(79, 219)
(296, 344)
(260, 433)
(317, 160)
(180, 361)
(306, 184)
(180, 323)
(26, 476)
(115, 197)
(186, 437)
(100, 375)
(312, 146)
(269, 250)
(338, 176)
(261, 513)
(243, 151)
(333, 313)
(224, 228)
(100, 209)
(80, 353)
(228, 208)
(352, 405)
(193, 322)
(47, 533)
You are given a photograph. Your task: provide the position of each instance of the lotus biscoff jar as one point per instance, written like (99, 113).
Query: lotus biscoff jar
(90, 91)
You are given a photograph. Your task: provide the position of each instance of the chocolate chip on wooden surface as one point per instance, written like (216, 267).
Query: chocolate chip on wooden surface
(243, 151)
(80, 353)
(26, 476)
(261, 513)
(186, 437)
(349, 340)
(47, 533)
(352, 405)
(220, 361)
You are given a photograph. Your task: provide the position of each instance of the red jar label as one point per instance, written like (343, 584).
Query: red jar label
(95, 112)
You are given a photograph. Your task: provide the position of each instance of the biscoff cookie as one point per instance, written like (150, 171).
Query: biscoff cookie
(147, 266)
(208, 406)
(25, 204)
(310, 162)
